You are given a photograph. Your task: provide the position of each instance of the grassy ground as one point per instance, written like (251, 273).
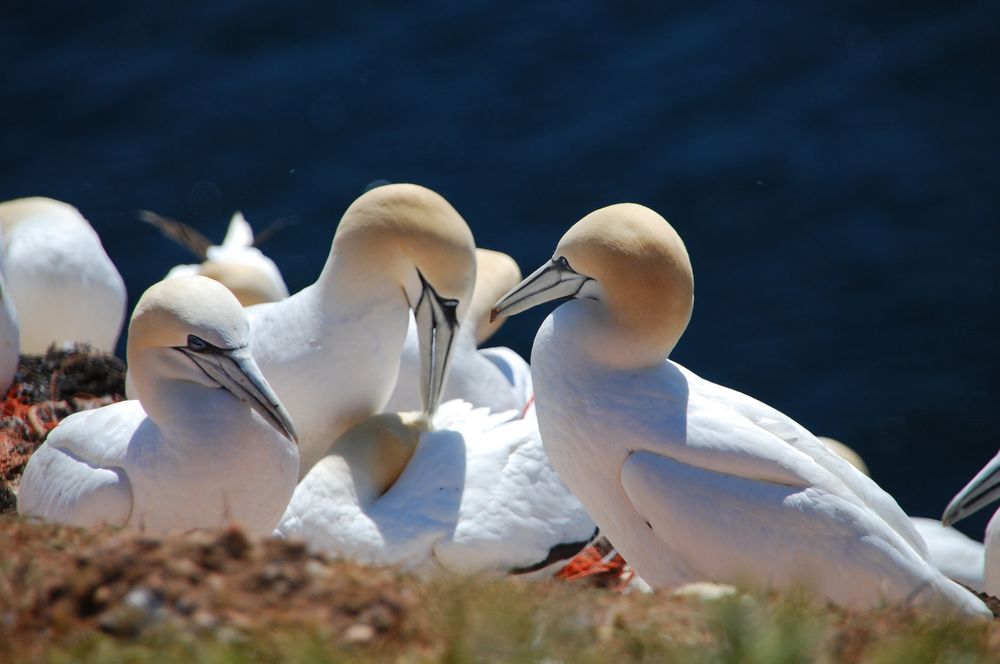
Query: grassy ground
(73, 596)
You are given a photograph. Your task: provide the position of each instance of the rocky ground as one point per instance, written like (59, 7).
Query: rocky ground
(105, 596)
(73, 595)
(58, 583)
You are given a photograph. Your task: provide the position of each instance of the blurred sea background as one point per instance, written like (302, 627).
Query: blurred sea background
(834, 169)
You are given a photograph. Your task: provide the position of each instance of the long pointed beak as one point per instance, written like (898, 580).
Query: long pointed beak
(982, 490)
(554, 280)
(437, 325)
(236, 371)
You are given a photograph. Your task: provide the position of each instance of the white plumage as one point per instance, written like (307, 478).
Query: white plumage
(957, 556)
(477, 495)
(331, 351)
(63, 286)
(689, 480)
(207, 443)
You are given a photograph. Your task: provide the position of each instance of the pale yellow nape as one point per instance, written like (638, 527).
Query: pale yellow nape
(172, 309)
(15, 211)
(846, 453)
(380, 446)
(643, 267)
(249, 284)
(496, 273)
(399, 226)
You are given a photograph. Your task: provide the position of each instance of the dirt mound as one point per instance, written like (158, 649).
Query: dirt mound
(58, 580)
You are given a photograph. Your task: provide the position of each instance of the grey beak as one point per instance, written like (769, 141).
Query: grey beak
(982, 490)
(437, 325)
(554, 280)
(236, 371)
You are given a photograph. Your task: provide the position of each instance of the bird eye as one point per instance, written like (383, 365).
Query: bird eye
(197, 344)
(563, 263)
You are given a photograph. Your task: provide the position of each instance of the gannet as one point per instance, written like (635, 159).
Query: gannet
(497, 378)
(476, 492)
(689, 480)
(496, 273)
(207, 442)
(237, 263)
(473, 494)
(958, 557)
(331, 351)
(981, 490)
(64, 287)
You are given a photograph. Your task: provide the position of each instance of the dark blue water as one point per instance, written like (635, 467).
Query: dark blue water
(834, 170)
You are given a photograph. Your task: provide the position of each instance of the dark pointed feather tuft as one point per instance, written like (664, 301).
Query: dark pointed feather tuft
(179, 232)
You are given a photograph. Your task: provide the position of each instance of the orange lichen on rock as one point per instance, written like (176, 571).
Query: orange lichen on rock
(46, 389)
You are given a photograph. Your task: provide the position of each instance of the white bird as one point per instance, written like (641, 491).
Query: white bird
(981, 490)
(331, 351)
(958, 557)
(474, 494)
(237, 263)
(9, 333)
(64, 287)
(497, 378)
(207, 442)
(689, 480)
(476, 480)
(496, 273)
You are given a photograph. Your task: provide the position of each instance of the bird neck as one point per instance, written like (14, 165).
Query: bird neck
(377, 450)
(359, 269)
(496, 273)
(477, 318)
(991, 567)
(365, 315)
(188, 410)
(592, 328)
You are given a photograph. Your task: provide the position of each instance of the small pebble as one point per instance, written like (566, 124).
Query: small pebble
(359, 633)
(205, 620)
(140, 608)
